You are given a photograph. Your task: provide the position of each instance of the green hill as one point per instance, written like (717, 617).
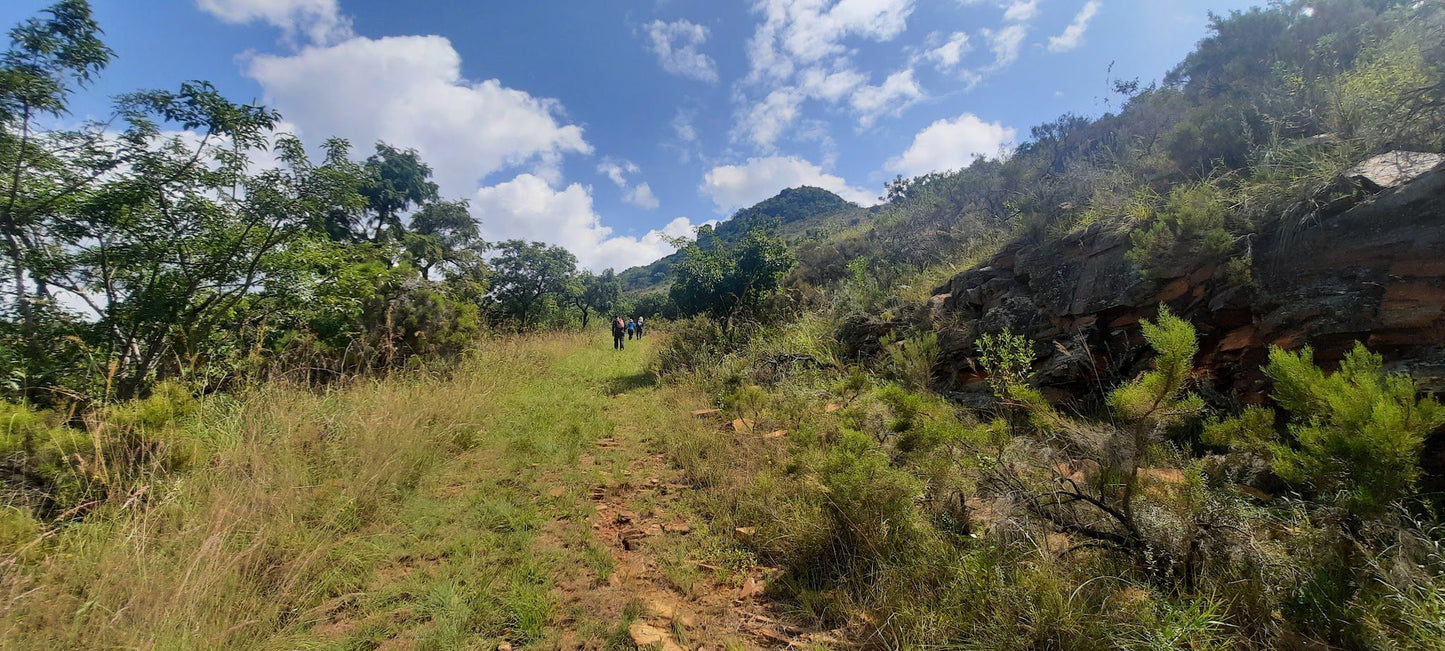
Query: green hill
(796, 209)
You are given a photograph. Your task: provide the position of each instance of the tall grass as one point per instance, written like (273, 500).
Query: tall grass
(389, 507)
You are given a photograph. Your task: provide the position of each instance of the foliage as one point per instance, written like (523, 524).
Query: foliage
(524, 273)
(1193, 222)
(1008, 359)
(1355, 435)
(596, 292)
(913, 358)
(728, 281)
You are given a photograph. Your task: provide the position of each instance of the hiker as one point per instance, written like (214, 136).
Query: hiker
(617, 328)
(639, 327)
(631, 328)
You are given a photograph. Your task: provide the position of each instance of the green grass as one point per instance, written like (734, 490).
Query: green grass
(418, 509)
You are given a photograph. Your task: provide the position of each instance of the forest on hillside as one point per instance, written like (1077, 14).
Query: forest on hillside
(940, 427)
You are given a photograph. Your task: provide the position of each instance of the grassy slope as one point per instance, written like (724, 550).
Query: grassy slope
(413, 511)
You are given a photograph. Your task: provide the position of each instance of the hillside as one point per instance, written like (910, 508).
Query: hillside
(797, 210)
(1166, 377)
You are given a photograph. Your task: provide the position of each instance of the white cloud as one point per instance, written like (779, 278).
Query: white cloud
(617, 171)
(799, 52)
(676, 44)
(682, 126)
(737, 186)
(947, 56)
(320, 20)
(1021, 11)
(807, 31)
(830, 86)
(951, 144)
(1005, 43)
(1074, 34)
(767, 119)
(409, 91)
(527, 207)
(899, 91)
(642, 197)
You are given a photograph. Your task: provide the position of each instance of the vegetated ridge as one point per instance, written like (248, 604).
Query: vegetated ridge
(796, 210)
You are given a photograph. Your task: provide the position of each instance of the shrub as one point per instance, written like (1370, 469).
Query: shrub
(1008, 359)
(912, 359)
(1355, 436)
(1193, 222)
(697, 343)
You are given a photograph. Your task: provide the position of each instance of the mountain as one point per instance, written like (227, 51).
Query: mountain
(795, 209)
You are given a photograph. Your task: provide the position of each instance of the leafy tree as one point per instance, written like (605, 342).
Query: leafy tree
(444, 235)
(728, 280)
(396, 180)
(48, 60)
(527, 272)
(596, 292)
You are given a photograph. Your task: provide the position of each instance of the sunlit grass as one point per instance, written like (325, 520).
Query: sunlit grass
(406, 508)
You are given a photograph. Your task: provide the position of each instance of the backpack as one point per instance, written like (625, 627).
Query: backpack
(618, 325)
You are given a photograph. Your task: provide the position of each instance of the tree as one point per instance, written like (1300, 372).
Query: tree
(444, 235)
(48, 59)
(598, 292)
(396, 181)
(525, 272)
(728, 280)
(1103, 509)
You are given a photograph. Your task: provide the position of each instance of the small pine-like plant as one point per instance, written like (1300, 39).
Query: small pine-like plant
(1355, 436)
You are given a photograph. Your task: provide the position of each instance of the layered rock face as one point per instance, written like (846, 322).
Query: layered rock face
(1369, 267)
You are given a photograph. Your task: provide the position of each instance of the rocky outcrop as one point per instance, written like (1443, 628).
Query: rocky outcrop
(1367, 267)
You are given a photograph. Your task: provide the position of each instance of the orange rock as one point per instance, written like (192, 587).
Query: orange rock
(742, 425)
(1238, 338)
(832, 407)
(1174, 290)
(704, 412)
(776, 434)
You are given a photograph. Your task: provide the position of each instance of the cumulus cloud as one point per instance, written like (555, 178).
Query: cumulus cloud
(799, 52)
(642, 197)
(767, 119)
(951, 144)
(947, 56)
(1005, 42)
(807, 31)
(321, 21)
(899, 91)
(529, 208)
(409, 91)
(1074, 34)
(737, 186)
(617, 171)
(1021, 11)
(676, 44)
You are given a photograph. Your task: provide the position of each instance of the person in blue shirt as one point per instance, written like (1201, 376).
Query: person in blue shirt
(631, 328)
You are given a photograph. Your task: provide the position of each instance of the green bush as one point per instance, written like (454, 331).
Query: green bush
(1355, 435)
(1194, 222)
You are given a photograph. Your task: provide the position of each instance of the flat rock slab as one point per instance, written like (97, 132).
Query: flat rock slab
(1394, 168)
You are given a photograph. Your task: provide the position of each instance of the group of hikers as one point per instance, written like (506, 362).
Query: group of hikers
(631, 328)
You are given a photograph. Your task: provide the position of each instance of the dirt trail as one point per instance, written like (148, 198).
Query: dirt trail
(665, 596)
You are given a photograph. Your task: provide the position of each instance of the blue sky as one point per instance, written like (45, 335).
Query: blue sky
(603, 126)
